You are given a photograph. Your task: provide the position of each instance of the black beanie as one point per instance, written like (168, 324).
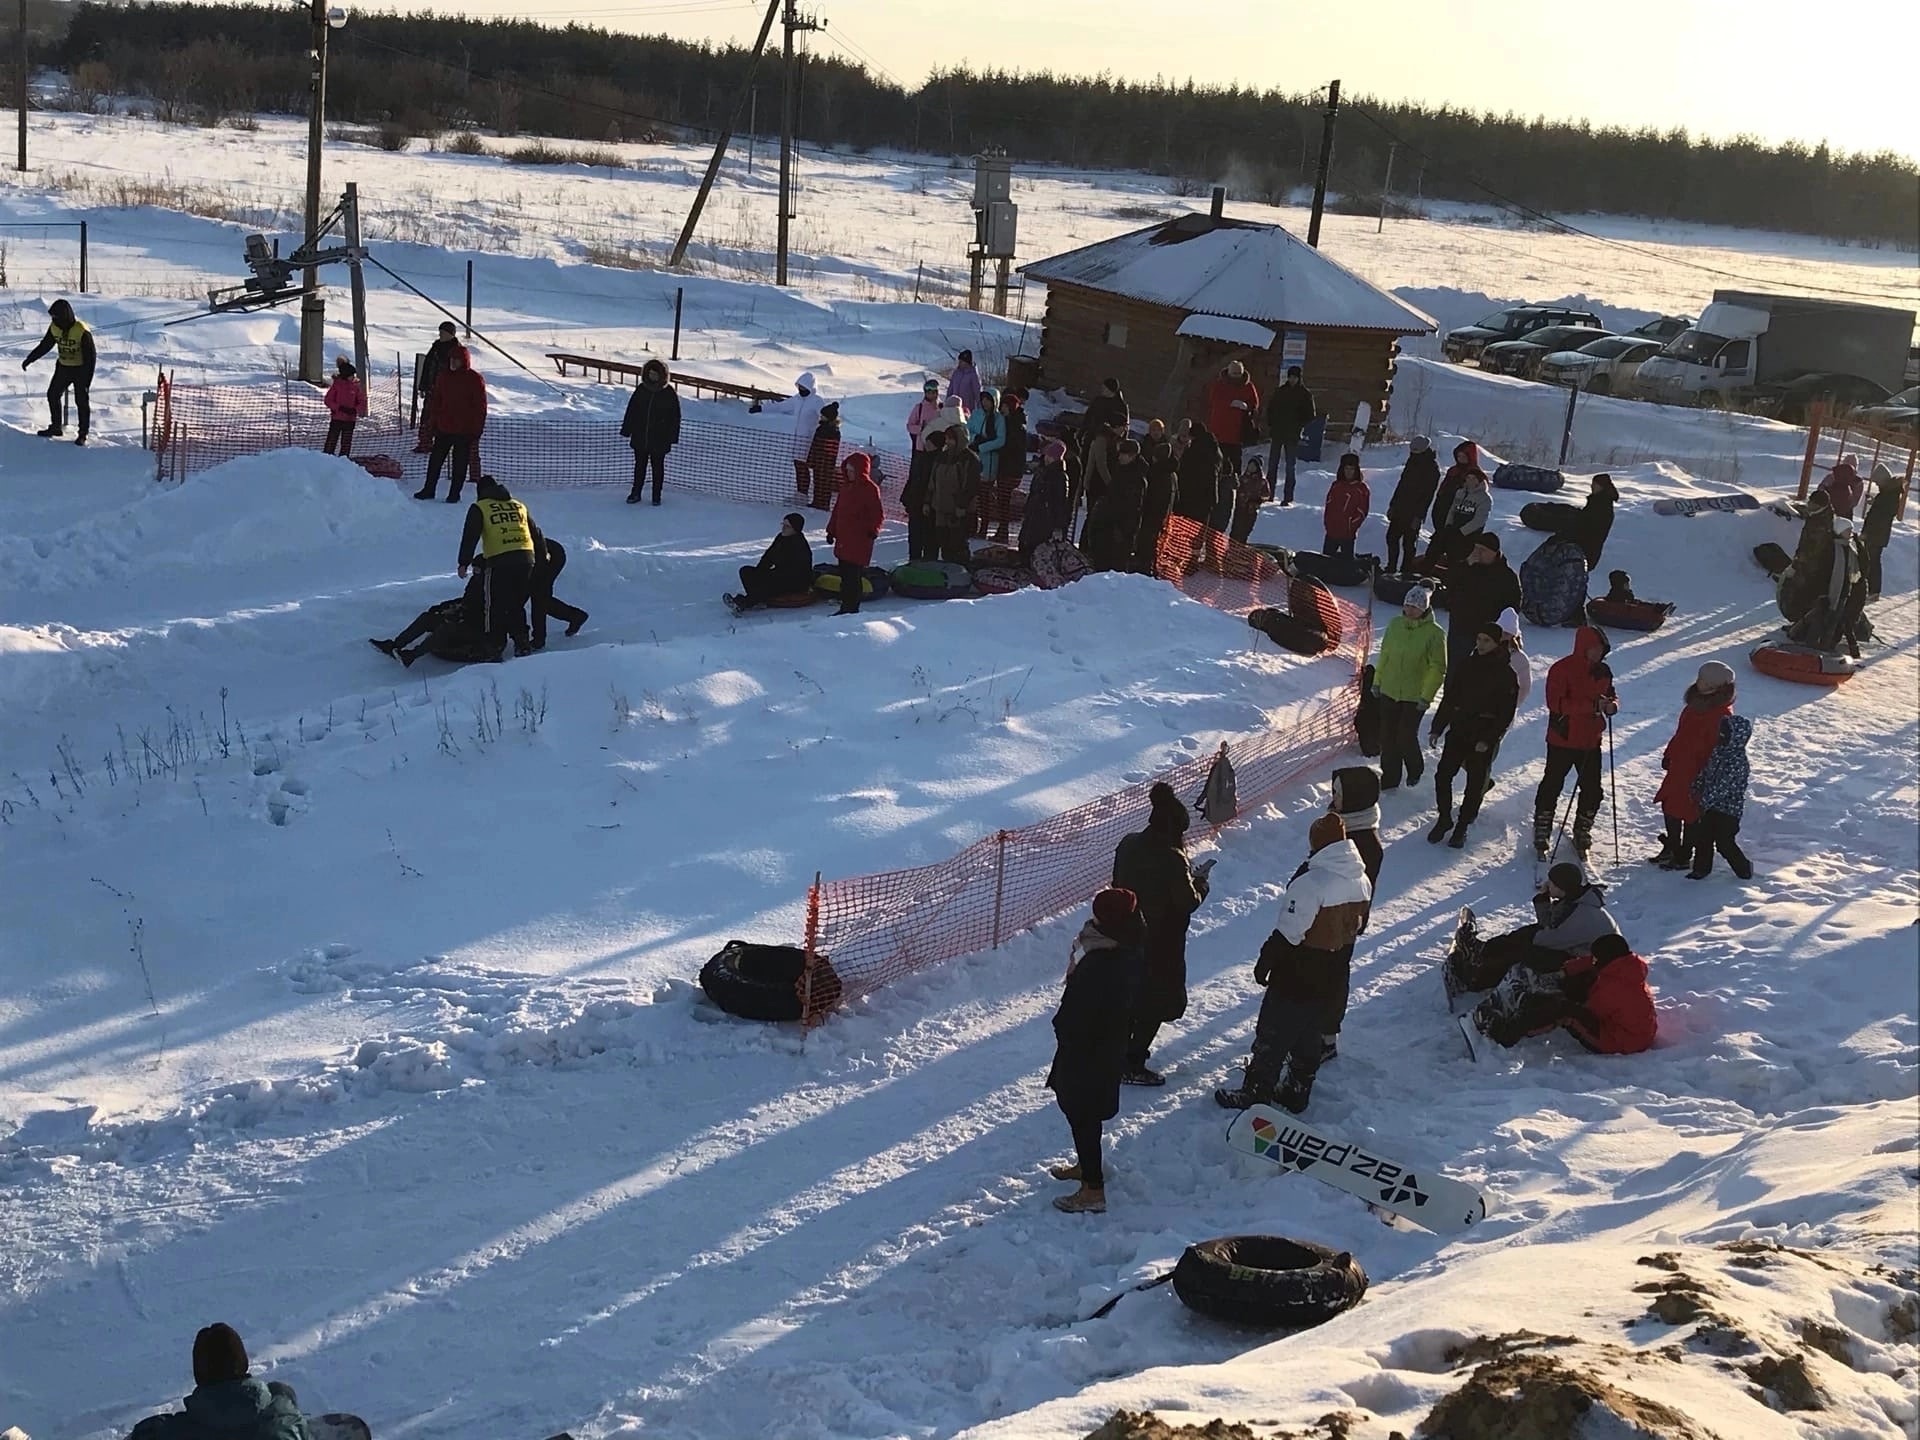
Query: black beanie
(1567, 877)
(1168, 812)
(218, 1355)
(796, 519)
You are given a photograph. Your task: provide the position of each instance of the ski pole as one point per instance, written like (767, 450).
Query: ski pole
(1613, 792)
(1566, 815)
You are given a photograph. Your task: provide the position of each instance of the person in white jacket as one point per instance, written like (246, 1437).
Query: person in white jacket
(805, 404)
(1302, 965)
(1509, 623)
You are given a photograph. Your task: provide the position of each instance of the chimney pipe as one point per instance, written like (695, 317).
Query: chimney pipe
(1219, 200)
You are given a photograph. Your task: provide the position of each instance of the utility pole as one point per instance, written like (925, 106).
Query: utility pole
(350, 218)
(22, 96)
(1386, 187)
(792, 22)
(747, 92)
(753, 118)
(1326, 164)
(313, 309)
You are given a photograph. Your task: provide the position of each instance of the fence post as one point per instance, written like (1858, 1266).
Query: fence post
(469, 299)
(807, 1020)
(1815, 420)
(999, 883)
(679, 298)
(1566, 434)
(83, 257)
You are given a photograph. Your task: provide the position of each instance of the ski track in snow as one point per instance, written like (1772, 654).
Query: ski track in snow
(424, 1102)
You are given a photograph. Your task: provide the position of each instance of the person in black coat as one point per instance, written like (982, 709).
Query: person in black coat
(1105, 411)
(1113, 530)
(1048, 516)
(1478, 589)
(1290, 410)
(1590, 531)
(786, 568)
(1090, 1029)
(1199, 473)
(1152, 863)
(1419, 479)
(1876, 527)
(542, 606)
(922, 542)
(1163, 481)
(1475, 712)
(652, 426)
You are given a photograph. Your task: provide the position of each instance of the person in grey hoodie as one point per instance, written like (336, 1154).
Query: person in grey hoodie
(1570, 913)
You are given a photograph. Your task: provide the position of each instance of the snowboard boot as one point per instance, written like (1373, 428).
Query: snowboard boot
(1141, 1075)
(1329, 1048)
(1294, 1092)
(1240, 1099)
(1087, 1200)
(385, 647)
(1069, 1171)
(1440, 828)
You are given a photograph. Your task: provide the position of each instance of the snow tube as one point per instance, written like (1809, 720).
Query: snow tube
(1057, 563)
(1629, 614)
(1553, 583)
(1001, 580)
(797, 600)
(1551, 516)
(1773, 559)
(1289, 632)
(931, 580)
(1802, 664)
(762, 982)
(873, 585)
(1528, 477)
(1393, 589)
(1333, 569)
(1268, 1281)
(384, 466)
(996, 557)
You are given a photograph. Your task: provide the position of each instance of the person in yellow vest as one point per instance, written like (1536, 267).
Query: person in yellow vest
(72, 367)
(500, 529)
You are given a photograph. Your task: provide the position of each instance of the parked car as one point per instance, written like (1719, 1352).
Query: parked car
(1667, 327)
(1600, 367)
(1898, 416)
(1522, 357)
(1793, 401)
(1466, 342)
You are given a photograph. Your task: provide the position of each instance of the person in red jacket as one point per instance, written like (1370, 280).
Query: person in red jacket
(1580, 701)
(346, 402)
(457, 414)
(1233, 409)
(1709, 700)
(1601, 999)
(1348, 501)
(853, 527)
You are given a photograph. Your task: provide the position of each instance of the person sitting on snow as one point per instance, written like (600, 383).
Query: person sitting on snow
(1620, 588)
(226, 1401)
(1570, 913)
(452, 630)
(1303, 966)
(1600, 999)
(785, 569)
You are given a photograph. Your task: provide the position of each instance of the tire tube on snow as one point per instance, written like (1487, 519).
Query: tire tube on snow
(762, 982)
(1268, 1281)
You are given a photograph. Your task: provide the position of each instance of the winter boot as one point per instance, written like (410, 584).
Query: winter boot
(385, 647)
(522, 648)
(1294, 1092)
(1458, 839)
(1070, 1171)
(1240, 1099)
(1329, 1048)
(1440, 828)
(80, 439)
(1087, 1200)
(573, 626)
(634, 497)
(52, 432)
(407, 657)
(1141, 1075)
(1542, 832)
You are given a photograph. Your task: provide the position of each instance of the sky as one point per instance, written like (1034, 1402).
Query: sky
(1840, 71)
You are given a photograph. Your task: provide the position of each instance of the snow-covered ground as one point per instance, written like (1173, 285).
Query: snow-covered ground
(350, 1004)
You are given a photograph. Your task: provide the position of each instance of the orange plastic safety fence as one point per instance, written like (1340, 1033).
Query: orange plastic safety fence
(873, 929)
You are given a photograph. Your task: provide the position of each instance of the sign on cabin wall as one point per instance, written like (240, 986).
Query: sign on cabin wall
(1293, 350)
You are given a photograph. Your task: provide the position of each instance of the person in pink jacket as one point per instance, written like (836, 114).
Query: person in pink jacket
(346, 402)
(1348, 501)
(923, 423)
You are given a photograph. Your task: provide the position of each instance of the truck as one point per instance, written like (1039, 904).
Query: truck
(1780, 353)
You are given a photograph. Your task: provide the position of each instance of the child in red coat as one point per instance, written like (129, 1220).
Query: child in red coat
(1348, 501)
(1709, 700)
(1602, 1000)
(346, 402)
(853, 527)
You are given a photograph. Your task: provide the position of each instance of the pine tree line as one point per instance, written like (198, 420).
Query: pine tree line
(430, 73)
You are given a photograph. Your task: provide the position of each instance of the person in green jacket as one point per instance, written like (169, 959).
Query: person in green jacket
(226, 1403)
(1406, 676)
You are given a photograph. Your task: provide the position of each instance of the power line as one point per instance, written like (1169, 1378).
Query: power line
(1555, 222)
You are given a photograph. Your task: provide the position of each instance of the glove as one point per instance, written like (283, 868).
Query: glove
(1263, 967)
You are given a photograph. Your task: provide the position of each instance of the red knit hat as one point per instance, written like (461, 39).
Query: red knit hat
(1114, 909)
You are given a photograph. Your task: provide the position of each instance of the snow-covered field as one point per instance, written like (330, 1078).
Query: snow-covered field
(350, 1004)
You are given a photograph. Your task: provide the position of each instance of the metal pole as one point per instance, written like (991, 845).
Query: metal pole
(1387, 188)
(999, 883)
(1326, 164)
(1613, 791)
(469, 299)
(313, 309)
(679, 299)
(1816, 421)
(83, 257)
(21, 96)
(1566, 435)
(786, 144)
(753, 120)
(748, 95)
(351, 219)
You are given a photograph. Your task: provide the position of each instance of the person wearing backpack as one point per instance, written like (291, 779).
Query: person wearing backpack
(1091, 1028)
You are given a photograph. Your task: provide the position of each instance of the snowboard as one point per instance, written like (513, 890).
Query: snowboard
(337, 1427)
(1689, 506)
(1427, 1198)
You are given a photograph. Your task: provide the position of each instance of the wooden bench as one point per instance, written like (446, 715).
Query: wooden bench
(624, 372)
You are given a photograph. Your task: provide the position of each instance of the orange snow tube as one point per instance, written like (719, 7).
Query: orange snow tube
(1803, 664)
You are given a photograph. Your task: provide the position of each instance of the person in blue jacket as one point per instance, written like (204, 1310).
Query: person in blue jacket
(227, 1403)
(1721, 792)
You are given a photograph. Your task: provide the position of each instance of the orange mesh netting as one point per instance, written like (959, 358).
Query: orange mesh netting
(871, 929)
